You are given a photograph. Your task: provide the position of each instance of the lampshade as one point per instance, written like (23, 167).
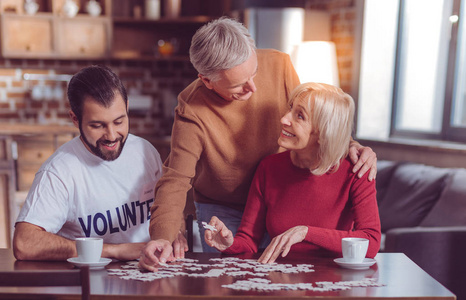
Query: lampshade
(316, 61)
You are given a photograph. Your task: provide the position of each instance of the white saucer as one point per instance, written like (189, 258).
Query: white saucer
(92, 266)
(364, 265)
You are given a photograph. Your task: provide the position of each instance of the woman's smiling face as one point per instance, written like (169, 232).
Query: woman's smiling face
(297, 132)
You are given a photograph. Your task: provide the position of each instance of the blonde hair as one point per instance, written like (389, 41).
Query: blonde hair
(331, 114)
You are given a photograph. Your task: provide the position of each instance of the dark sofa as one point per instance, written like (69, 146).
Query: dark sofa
(423, 214)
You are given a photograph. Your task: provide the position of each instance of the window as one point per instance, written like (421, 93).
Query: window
(413, 70)
(458, 115)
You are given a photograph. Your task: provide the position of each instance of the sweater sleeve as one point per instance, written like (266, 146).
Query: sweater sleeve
(291, 77)
(252, 227)
(366, 220)
(178, 172)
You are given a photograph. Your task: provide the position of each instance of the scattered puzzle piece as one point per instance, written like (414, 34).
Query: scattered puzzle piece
(236, 267)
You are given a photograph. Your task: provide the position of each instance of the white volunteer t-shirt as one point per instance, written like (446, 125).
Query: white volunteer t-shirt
(77, 194)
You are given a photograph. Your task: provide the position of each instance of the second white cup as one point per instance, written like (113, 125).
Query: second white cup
(89, 249)
(354, 249)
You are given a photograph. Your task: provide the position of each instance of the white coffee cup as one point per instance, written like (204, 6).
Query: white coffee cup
(354, 249)
(89, 249)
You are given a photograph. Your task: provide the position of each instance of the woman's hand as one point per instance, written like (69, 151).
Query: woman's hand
(220, 239)
(282, 244)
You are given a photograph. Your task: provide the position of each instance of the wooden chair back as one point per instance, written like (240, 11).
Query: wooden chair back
(28, 278)
(189, 231)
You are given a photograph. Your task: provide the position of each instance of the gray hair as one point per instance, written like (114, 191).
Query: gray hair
(220, 45)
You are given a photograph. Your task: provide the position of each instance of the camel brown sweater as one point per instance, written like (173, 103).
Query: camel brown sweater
(217, 144)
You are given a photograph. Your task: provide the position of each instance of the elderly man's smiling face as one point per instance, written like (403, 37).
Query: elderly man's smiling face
(236, 83)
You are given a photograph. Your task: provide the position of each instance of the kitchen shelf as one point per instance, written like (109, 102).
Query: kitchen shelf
(181, 58)
(48, 34)
(200, 20)
(138, 38)
(114, 35)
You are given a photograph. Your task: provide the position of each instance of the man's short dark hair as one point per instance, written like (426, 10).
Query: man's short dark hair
(98, 82)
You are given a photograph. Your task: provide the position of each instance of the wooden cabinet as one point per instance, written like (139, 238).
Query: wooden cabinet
(16, 179)
(23, 149)
(33, 151)
(121, 32)
(83, 37)
(27, 37)
(7, 188)
(50, 34)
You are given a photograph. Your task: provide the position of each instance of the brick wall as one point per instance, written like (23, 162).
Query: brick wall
(162, 80)
(343, 17)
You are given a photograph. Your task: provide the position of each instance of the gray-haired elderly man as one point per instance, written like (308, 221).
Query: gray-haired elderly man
(226, 121)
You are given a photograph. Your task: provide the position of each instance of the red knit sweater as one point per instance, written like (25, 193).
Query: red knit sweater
(333, 206)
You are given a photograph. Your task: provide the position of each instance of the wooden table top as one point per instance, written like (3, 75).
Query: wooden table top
(403, 279)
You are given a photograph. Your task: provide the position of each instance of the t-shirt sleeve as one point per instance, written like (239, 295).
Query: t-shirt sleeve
(47, 204)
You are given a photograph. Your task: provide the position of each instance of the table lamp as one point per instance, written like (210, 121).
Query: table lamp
(316, 61)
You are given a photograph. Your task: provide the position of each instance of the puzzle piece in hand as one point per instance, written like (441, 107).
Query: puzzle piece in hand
(209, 227)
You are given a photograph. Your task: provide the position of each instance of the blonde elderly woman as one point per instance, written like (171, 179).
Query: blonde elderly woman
(307, 198)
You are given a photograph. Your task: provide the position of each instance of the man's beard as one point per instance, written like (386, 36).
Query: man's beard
(107, 155)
